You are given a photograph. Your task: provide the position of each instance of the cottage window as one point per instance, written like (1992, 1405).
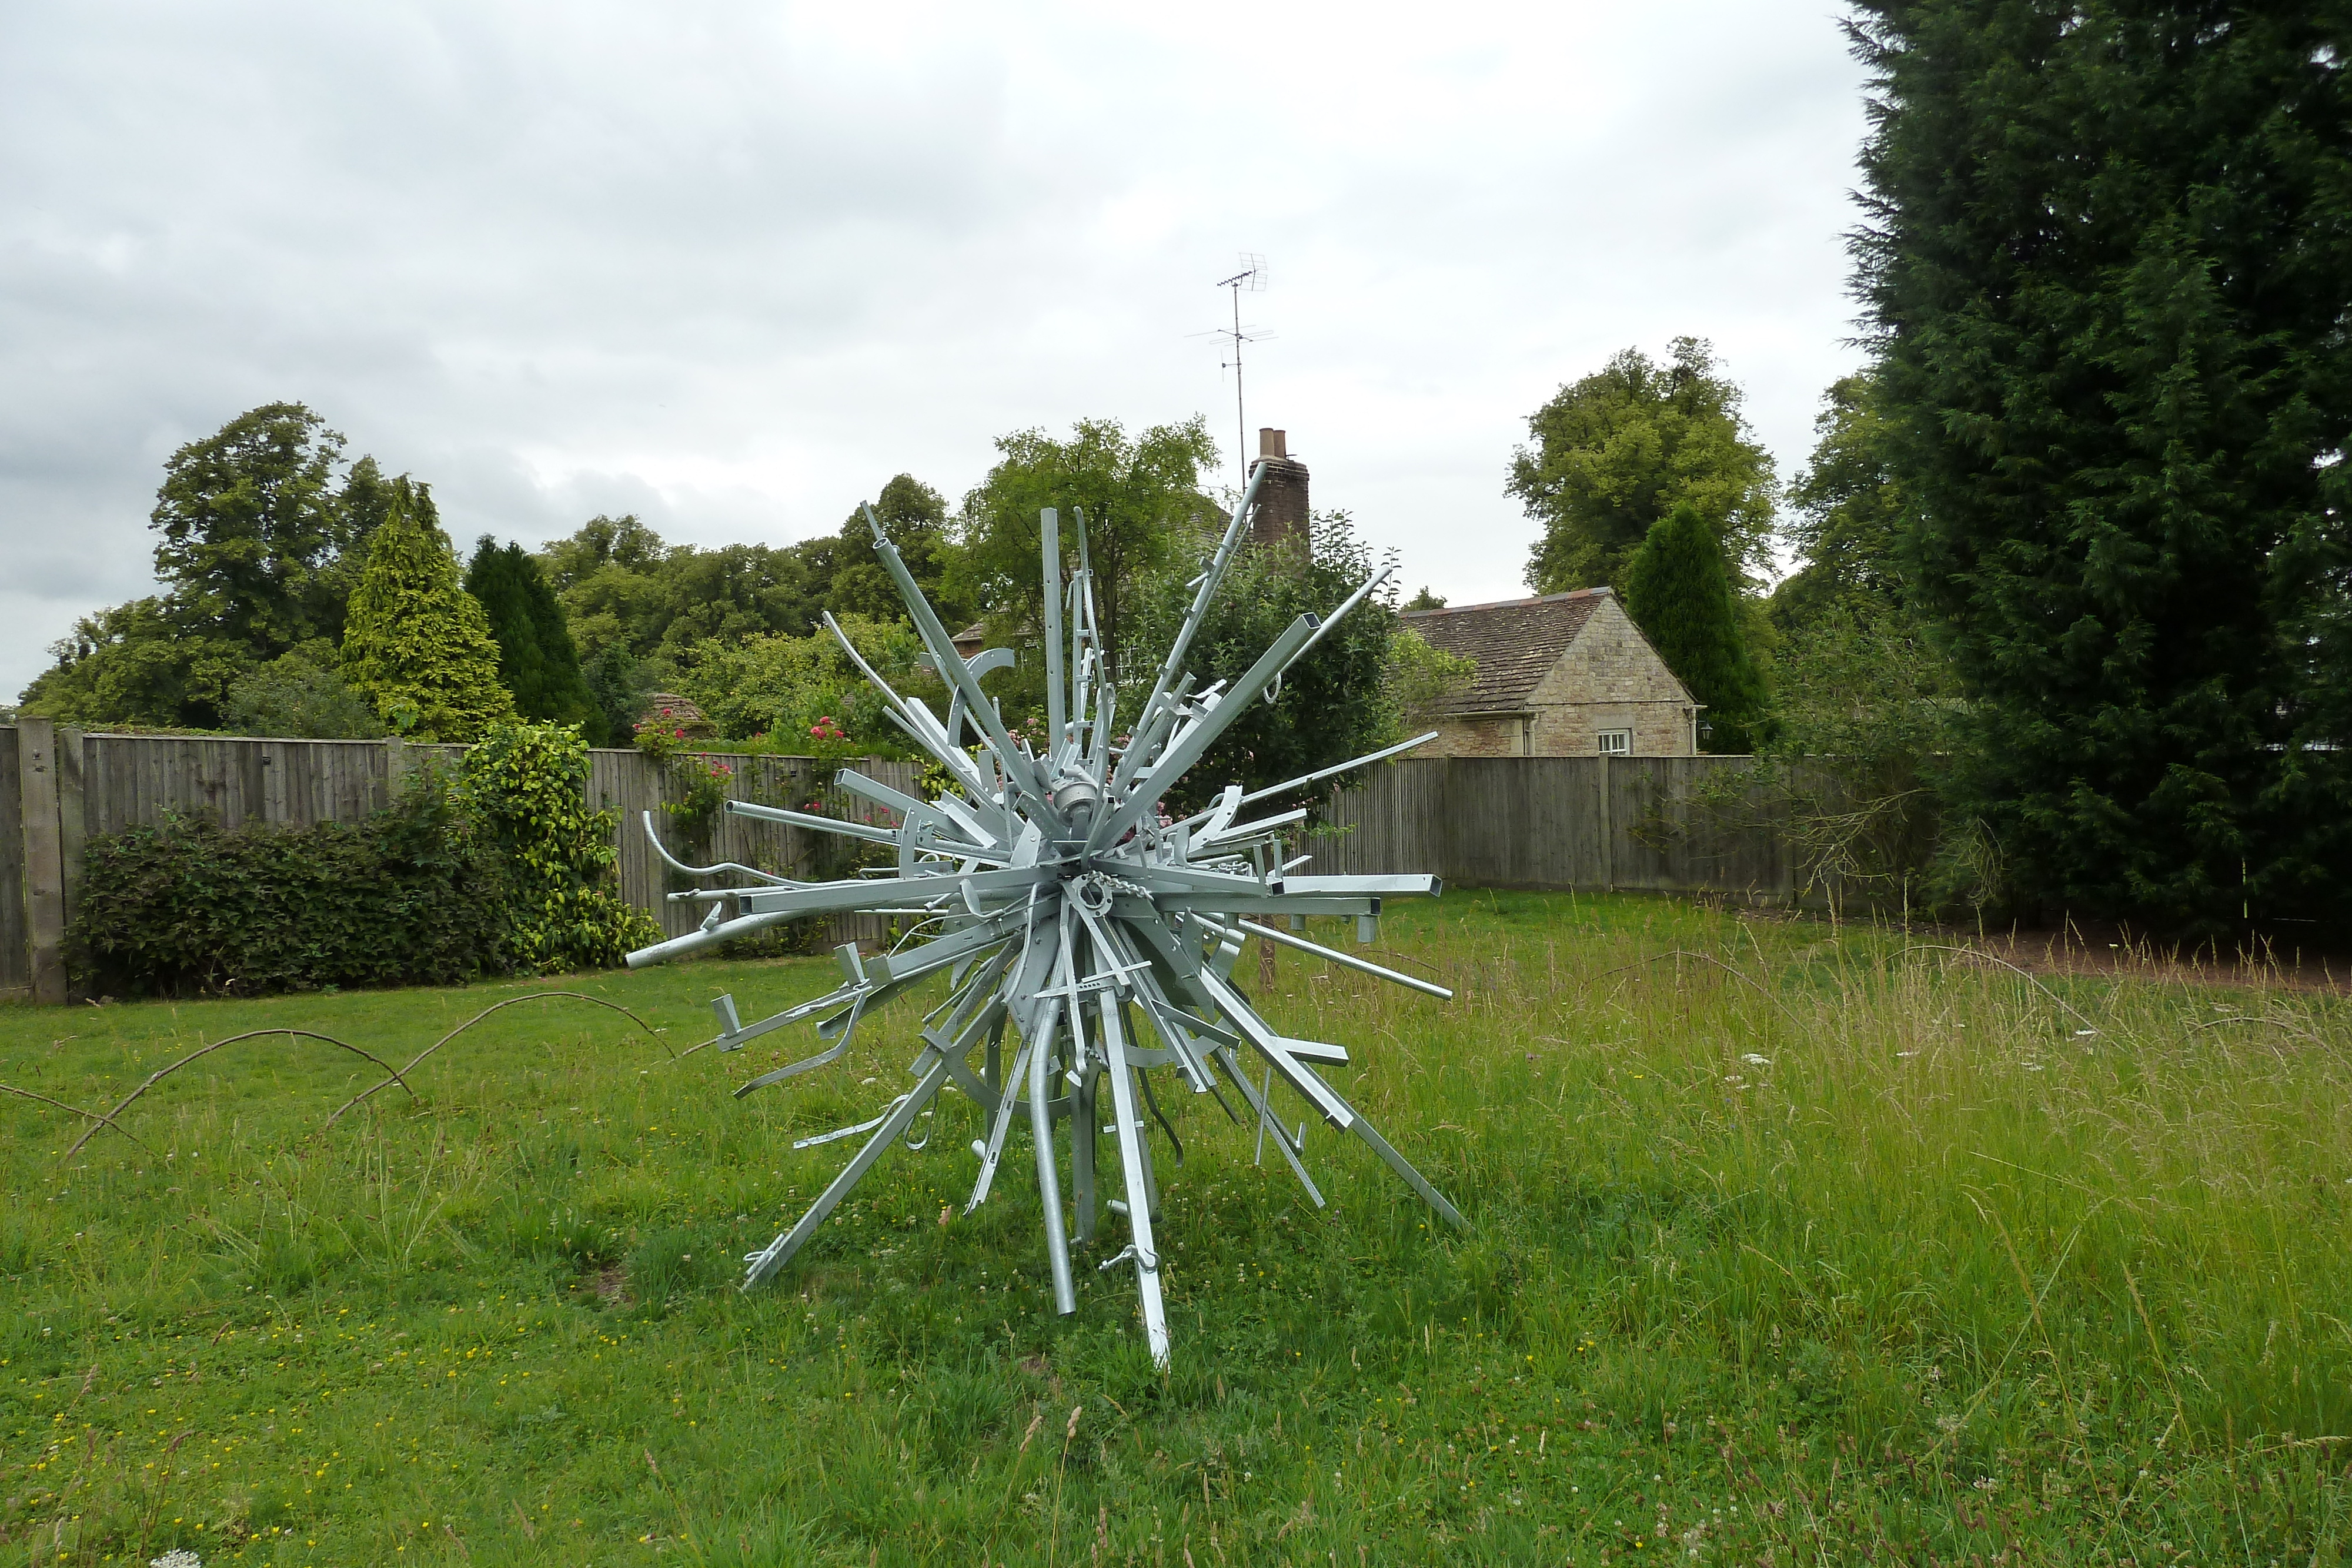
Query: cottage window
(1616, 742)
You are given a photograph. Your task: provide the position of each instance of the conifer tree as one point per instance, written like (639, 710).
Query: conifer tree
(538, 661)
(2109, 264)
(1677, 591)
(415, 641)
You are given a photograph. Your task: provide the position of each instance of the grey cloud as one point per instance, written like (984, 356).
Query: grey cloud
(730, 267)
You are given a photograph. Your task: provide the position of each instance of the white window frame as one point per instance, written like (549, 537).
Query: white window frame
(1622, 738)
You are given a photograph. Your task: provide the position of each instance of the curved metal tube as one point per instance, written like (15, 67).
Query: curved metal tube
(676, 864)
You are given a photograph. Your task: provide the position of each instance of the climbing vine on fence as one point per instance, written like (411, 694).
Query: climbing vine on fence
(527, 785)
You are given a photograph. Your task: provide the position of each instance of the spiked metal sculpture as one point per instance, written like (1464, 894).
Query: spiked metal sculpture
(1067, 905)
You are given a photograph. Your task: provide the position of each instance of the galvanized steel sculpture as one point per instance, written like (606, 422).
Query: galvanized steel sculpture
(1070, 908)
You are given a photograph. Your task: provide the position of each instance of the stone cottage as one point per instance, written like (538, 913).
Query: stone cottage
(1566, 674)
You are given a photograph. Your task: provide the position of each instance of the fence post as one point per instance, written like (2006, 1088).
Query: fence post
(396, 769)
(73, 823)
(1608, 822)
(44, 868)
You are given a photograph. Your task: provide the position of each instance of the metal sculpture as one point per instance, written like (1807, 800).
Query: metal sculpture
(1062, 902)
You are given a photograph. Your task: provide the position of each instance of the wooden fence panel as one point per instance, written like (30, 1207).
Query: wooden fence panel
(1662, 825)
(16, 937)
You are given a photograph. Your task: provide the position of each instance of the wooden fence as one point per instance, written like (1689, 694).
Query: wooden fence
(58, 787)
(1656, 824)
(1560, 822)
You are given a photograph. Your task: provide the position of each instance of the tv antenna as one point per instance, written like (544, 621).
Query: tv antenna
(1250, 279)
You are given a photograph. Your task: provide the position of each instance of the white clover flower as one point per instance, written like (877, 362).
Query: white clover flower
(1753, 1060)
(178, 1557)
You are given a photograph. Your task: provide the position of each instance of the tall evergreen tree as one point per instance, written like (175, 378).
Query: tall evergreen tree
(2109, 264)
(1677, 591)
(415, 643)
(537, 661)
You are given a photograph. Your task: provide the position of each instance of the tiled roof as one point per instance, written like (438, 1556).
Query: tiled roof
(1515, 642)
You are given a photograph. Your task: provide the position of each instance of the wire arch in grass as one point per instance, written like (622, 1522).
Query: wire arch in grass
(161, 1073)
(87, 1115)
(396, 1077)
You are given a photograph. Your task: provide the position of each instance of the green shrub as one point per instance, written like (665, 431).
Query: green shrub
(411, 895)
(506, 871)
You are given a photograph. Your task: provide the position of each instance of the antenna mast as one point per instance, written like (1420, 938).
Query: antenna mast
(1252, 278)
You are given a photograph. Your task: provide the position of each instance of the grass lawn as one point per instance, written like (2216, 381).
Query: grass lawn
(1805, 1246)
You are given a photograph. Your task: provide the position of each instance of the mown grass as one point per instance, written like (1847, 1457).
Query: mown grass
(1804, 1246)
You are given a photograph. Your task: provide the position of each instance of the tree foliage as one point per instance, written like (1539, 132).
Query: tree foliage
(411, 895)
(1848, 515)
(1336, 703)
(915, 516)
(622, 587)
(1677, 591)
(775, 689)
(251, 528)
(1142, 496)
(417, 643)
(257, 545)
(2109, 264)
(301, 695)
(537, 661)
(1618, 450)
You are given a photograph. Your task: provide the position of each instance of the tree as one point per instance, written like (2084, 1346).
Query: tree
(1139, 495)
(621, 587)
(135, 665)
(1677, 591)
(850, 575)
(417, 643)
(1848, 515)
(250, 525)
(1618, 450)
(2107, 267)
(537, 661)
(1425, 600)
(301, 695)
(1338, 702)
(259, 548)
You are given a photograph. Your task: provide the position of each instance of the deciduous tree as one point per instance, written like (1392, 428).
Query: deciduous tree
(1617, 450)
(1141, 496)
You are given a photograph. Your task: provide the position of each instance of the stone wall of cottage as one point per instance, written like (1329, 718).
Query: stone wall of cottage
(1609, 678)
(1484, 737)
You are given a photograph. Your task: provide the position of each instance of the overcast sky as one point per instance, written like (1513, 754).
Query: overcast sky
(731, 266)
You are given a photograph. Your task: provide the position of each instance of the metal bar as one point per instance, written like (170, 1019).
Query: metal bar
(1049, 534)
(818, 824)
(1323, 773)
(1210, 580)
(1018, 770)
(1049, 1181)
(1344, 960)
(1133, 1165)
(764, 1263)
(1187, 746)
(1333, 619)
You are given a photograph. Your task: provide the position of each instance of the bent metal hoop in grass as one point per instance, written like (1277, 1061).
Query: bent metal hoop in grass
(1073, 914)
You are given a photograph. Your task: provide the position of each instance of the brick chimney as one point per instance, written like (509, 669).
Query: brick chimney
(1282, 495)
